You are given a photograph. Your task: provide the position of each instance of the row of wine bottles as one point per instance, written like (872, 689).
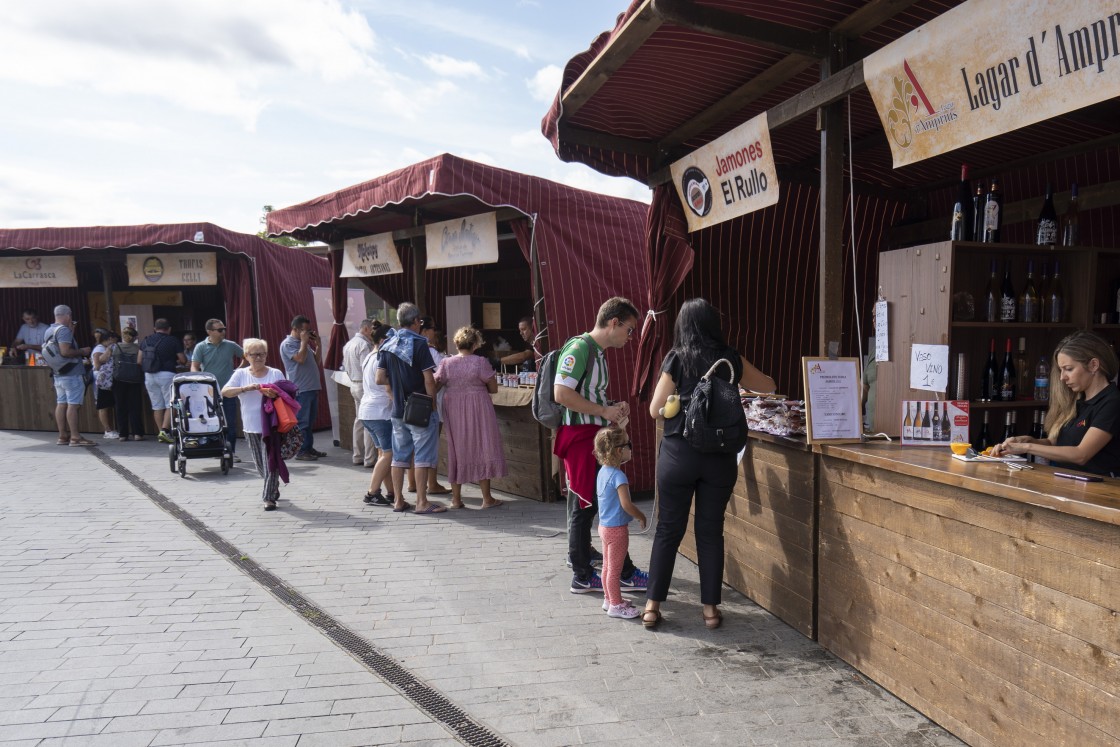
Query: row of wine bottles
(978, 216)
(923, 427)
(1045, 303)
(1001, 383)
(991, 434)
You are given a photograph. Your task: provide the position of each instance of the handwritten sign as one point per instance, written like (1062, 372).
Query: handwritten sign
(463, 241)
(882, 333)
(929, 367)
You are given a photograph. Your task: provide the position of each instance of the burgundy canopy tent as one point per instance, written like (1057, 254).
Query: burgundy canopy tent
(580, 247)
(263, 285)
(672, 76)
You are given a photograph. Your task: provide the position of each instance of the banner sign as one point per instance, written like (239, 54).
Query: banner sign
(730, 176)
(188, 268)
(989, 66)
(370, 256)
(462, 241)
(38, 272)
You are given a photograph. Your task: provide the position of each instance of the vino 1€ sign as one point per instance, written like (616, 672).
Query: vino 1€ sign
(929, 367)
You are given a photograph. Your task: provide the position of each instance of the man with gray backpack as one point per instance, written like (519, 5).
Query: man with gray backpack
(580, 388)
(65, 359)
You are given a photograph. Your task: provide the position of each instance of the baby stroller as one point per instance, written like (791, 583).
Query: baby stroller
(198, 424)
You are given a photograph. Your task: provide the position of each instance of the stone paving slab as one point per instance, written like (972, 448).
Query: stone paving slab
(476, 603)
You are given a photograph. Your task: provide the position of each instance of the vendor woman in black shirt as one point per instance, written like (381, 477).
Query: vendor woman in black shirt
(1084, 416)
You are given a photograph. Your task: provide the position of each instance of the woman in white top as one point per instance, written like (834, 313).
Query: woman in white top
(103, 398)
(245, 384)
(375, 411)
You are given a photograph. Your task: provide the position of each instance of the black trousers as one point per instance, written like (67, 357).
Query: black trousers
(683, 472)
(129, 404)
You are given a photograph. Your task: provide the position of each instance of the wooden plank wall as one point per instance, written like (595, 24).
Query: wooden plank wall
(770, 533)
(996, 619)
(521, 444)
(27, 402)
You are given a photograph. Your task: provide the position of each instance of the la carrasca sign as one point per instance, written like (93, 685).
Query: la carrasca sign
(38, 272)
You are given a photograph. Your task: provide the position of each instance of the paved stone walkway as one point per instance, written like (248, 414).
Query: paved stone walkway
(119, 626)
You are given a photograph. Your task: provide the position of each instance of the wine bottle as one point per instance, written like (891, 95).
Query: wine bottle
(908, 425)
(1008, 425)
(993, 213)
(983, 439)
(935, 425)
(1036, 424)
(991, 297)
(1028, 299)
(1043, 291)
(1007, 376)
(1024, 385)
(1047, 230)
(959, 228)
(1042, 380)
(927, 426)
(1007, 301)
(989, 384)
(946, 426)
(978, 212)
(1055, 304)
(1070, 219)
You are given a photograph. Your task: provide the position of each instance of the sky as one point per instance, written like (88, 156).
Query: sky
(172, 111)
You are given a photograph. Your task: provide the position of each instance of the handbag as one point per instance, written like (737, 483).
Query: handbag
(418, 410)
(285, 418)
(104, 374)
(125, 370)
(290, 444)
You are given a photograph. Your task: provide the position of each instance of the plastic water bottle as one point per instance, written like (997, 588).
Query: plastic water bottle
(1042, 381)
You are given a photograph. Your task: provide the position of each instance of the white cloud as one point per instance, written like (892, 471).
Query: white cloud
(545, 83)
(441, 64)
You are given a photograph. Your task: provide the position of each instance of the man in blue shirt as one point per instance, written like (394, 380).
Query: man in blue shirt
(69, 382)
(301, 367)
(215, 355)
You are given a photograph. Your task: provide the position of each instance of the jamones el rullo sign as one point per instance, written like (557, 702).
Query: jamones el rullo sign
(730, 176)
(990, 66)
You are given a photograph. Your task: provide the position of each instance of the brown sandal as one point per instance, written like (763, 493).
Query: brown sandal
(713, 622)
(649, 623)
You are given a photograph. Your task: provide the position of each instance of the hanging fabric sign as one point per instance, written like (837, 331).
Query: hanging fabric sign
(730, 176)
(38, 272)
(462, 241)
(370, 256)
(188, 268)
(987, 67)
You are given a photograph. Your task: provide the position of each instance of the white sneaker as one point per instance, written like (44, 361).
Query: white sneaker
(625, 610)
(112, 434)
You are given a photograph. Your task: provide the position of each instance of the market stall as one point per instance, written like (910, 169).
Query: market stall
(554, 253)
(186, 273)
(673, 78)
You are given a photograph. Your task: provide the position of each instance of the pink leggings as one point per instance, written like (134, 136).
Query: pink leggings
(616, 543)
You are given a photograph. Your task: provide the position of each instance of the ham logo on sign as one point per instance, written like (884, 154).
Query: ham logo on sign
(697, 190)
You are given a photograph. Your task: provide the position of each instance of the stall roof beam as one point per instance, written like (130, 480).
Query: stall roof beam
(580, 136)
(766, 34)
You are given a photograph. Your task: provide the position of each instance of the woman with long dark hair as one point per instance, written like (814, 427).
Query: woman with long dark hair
(683, 472)
(1084, 414)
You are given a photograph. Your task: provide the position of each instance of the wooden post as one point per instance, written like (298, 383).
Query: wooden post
(419, 261)
(107, 289)
(831, 290)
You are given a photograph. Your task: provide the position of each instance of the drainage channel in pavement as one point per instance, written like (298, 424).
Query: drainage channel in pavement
(422, 695)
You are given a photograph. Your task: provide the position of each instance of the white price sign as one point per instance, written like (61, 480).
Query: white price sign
(882, 333)
(929, 367)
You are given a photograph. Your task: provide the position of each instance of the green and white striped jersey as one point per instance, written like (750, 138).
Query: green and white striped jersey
(582, 354)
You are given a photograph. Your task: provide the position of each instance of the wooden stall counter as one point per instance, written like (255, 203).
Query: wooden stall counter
(27, 401)
(987, 599)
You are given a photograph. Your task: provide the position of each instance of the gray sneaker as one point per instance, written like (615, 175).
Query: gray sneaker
(306, 457)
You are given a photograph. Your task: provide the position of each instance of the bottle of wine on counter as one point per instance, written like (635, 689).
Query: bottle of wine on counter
(1024, 385)
(1055, 300)
(1047, 233)
(989, 384)
(1007, 376)
(1042, 380)
(961, 227)
(935, 432)
(993, 213)
(1007, 301)
(1070, 220)
(991, 297)
(1028, 299)
(983, 439)
(908, 425)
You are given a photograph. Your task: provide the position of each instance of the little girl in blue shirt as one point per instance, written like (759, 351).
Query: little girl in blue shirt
(616, 510)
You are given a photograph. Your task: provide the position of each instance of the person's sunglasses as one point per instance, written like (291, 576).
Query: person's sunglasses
(255, 355)
(219, 329)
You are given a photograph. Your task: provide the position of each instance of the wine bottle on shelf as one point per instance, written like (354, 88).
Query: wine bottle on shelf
(1007, 300)
(1055, 304)
(1047, 230)
(1070, 219)
(1007, 376)
(991, 297)
(978, 212)
(1116, 317)
(1028, 299)
(927, 426)
(983, 439)
(1036, 424)
(1008, 425)
(1024, 384)
(993, 213)
(1043, 291)
(1042, 380)
(989, 384)
(960, 228)
(935, 425)
(946, 426)
(908, 425)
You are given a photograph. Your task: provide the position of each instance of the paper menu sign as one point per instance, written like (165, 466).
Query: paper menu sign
(915, 433)
(929, 367)
(882, 333)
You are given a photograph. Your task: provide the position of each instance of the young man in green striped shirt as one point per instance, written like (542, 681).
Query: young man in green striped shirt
(580, 387)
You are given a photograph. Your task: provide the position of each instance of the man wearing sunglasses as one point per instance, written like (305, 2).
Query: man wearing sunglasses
(580, 387)
(215, 355)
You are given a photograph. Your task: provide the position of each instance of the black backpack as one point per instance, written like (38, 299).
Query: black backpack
(714, 420)
(545, 409)
(148, 359)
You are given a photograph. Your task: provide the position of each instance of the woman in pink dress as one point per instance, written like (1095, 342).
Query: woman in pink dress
(474, 444)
